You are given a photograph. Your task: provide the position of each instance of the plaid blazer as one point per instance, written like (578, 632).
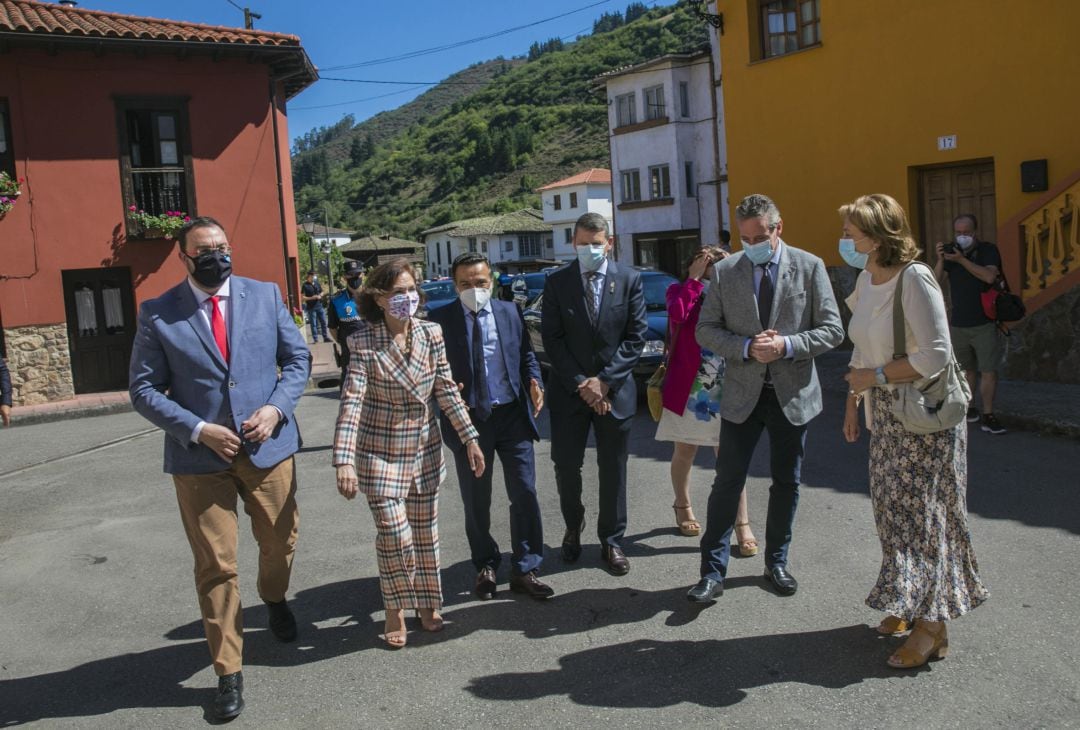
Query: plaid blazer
(388, 420)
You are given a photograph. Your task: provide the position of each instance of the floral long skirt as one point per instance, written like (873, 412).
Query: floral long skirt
(918, 488)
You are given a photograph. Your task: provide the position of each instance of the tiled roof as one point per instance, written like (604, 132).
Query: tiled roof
(46, 18)
(680, 59)
(379, 243)
(526, 220)
(596, 175)
(322, 231)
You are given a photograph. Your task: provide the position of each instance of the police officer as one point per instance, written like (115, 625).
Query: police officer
(344, 314)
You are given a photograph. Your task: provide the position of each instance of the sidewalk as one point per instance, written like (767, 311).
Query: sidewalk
(324, 374)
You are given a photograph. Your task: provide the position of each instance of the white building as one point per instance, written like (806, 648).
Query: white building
(667, 159)
(337, 236)
(567, 200)
(513, 242)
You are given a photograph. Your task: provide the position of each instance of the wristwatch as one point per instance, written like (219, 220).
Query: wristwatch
(879, 376)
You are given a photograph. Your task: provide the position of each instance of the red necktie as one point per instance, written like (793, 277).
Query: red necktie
(217, 326)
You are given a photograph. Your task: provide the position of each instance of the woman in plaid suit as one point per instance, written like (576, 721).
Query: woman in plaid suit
(388, 445)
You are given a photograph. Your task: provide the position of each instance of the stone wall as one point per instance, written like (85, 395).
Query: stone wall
(40, 363)
(1046, 346)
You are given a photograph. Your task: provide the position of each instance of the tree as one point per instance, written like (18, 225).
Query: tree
(634, 11)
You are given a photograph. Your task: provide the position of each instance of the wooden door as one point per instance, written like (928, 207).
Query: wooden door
(101, 327)
(948, 191)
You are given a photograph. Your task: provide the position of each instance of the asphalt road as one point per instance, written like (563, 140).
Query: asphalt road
(99, 624)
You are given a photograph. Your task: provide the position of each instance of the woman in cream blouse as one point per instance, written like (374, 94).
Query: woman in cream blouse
(918, 482)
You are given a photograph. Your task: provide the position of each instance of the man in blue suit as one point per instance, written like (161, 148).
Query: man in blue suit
(492, 360)
(593, 324)
(205, 369)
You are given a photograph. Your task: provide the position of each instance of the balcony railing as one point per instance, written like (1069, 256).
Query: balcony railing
(1050, 237)
(159, 189)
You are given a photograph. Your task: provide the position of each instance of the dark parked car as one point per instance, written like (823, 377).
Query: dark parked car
(655, 285)
(534, 285)
(438, 294)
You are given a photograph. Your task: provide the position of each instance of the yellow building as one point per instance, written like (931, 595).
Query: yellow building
(936, 102)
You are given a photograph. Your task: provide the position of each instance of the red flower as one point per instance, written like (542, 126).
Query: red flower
(131, 208)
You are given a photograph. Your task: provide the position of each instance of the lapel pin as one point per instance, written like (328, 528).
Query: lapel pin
(611, 289)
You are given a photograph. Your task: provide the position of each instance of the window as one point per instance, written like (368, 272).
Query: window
(684, 99)
(529, 244)
(631, 186)
(573, 200)
(654, 103)
(659, 182)
(438, 254)
(689, 170)
(788, 25)
(625, 111)
(549, 242)
(449, 256)
(508, 246)
(558, 202)
(483, 247)
(472, 245)
(155, 155)
(568, 234)
(7, 154)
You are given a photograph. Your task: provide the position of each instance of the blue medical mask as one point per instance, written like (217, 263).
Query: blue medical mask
(591, 257)
(758, 253)
(850, 256)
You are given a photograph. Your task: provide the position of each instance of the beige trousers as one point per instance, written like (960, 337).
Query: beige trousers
(208, 511)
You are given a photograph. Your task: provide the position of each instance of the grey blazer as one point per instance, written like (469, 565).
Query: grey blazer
(804, 309)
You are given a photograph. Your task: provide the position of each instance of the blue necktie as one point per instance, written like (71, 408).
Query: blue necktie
(481, 396)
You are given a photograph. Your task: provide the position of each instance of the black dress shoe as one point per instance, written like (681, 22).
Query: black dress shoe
(230, 697)
(784, 583)
(571, 543)
(617, 564)
(530, 585)
(282, 622)
(485, 584)
(707, 590)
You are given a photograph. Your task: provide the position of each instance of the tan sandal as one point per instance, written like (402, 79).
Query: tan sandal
(892, 626)
(433, 622)
(689, 527)
(395, 638)
(748, 547)
(935, 646)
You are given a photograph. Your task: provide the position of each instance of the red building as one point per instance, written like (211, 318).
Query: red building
(100, 112)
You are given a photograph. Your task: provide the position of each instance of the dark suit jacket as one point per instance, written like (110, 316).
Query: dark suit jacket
(578, 351)
(517, 353)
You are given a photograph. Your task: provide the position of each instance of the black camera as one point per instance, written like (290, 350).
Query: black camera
(949, 247)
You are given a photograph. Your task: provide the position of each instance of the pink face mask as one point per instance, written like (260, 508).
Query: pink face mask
(403, 306)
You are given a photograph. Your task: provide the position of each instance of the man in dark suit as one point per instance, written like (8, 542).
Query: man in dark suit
(205, 369)
(5, 393)
(769, 312)
(593, 325)
(493, 361)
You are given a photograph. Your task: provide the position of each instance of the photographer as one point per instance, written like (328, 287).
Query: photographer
(972, 266)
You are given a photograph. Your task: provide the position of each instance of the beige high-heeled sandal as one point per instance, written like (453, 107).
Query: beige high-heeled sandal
(434, 623)
(690, 527)
(748, 548)
(908, 657)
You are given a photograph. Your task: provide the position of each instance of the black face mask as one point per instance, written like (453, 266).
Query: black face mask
(211, 268)
(353, 283)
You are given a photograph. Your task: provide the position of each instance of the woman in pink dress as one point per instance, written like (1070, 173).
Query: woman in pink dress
(692, 390)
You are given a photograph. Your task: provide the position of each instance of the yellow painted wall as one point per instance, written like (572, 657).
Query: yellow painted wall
(817, 128)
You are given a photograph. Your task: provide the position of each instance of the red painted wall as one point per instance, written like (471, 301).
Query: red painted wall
(71, 214)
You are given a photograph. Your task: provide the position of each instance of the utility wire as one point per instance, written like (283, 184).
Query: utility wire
(458, 44)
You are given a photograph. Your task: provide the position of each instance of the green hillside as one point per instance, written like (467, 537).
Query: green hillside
(534, 122)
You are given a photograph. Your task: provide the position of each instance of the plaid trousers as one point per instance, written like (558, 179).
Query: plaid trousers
(407, 548)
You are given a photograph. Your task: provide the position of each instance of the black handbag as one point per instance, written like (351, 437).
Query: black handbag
(1001, 305)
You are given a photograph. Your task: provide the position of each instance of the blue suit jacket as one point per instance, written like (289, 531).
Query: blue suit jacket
(516, 349)
(578, 351)
(178, 377)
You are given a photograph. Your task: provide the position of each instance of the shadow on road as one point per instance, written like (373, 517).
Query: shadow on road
(712, 673)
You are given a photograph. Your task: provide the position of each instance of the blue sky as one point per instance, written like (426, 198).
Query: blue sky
(342, 32)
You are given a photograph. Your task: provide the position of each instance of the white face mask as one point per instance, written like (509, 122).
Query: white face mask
(475, 299)
(965, 242)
